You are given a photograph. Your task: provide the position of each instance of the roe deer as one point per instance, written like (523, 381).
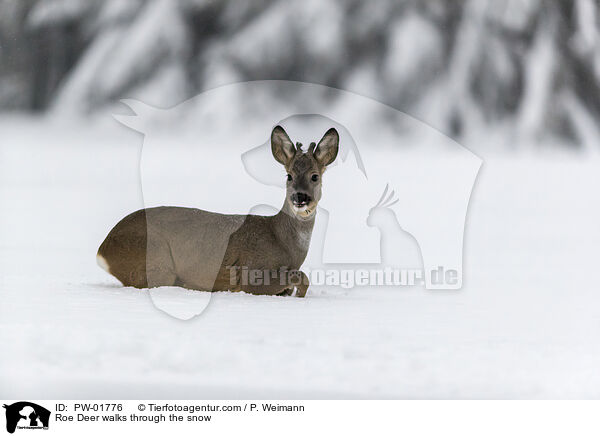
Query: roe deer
(196, 249)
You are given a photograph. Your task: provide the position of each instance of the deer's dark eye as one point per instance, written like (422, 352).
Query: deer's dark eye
(315, 178)
(289, 177)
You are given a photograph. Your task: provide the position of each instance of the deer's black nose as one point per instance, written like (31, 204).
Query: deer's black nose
(300, 198)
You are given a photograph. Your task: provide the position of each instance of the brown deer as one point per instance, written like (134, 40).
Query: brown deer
(196, 249)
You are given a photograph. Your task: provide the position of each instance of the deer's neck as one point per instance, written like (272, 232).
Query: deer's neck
(293, 233)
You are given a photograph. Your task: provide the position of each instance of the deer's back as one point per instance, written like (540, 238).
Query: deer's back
(189, 247)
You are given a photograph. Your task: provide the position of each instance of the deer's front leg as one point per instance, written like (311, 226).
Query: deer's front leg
(276, 282)
(299, 280)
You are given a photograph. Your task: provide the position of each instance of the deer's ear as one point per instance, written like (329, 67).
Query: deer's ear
(281, 146)
(328, 146)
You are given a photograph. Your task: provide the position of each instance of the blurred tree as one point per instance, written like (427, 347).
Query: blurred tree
(464, 66)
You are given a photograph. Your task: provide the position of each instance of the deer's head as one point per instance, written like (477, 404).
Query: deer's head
(304, 169)
(382, 212)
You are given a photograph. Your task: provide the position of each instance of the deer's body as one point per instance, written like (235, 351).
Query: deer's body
(197, 249)
(217, 242)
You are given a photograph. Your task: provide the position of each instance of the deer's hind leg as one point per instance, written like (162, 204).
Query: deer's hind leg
(138, 262)
(160, 267)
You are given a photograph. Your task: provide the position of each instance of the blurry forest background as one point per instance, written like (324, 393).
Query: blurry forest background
(515, 81)
(529, 69)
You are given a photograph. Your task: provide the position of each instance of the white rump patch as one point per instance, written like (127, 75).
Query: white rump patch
(102, 263)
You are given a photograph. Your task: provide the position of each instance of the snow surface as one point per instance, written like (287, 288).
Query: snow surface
(525, 325)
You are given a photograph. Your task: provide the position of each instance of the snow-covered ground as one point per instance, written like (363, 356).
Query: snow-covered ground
(525, 325)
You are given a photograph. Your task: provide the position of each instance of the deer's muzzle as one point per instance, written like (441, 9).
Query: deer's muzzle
(301, 199)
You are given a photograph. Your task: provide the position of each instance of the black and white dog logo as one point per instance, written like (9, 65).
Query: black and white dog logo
(26, 415)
